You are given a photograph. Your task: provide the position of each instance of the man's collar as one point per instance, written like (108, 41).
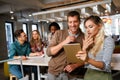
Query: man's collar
(76, 35)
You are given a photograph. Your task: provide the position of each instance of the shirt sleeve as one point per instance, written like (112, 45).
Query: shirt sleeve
(108, 50)
(12, 51)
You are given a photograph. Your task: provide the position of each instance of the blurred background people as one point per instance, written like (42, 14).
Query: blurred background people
(37, 48)
(36, 44)
(19, 48)
(53, 27)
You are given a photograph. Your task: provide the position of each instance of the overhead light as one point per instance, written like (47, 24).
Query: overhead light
(38, 21)
(106, 12)
(47, 21)
(12, 17)
(11, 12)
(102, 14)
(108, 7)
(11, 9)
(117, 12)
(30, 15)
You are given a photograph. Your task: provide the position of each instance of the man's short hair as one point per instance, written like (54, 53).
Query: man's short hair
(73, 13)
(17, 33)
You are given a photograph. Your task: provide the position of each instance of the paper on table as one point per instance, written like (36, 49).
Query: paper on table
(41, 56)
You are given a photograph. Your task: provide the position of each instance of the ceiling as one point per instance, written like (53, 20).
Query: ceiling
(44, 9)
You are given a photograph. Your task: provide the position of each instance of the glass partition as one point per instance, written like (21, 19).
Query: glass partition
(9, 34)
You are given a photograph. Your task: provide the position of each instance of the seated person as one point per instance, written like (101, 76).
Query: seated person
(36, 44)
(37, 47)
(19, 48)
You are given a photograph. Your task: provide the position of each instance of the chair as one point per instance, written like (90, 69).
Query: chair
(44, 76)
(6, 72)
(12, 77)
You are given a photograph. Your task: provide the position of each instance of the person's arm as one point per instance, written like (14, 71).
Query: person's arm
(33, 54)
(108, 49)
(36, 53)
(104, 62)
(57, 48)
(83, 56)
(22, 57)
(54, 47)
(12, 53)
(71, 67)
(97, 64)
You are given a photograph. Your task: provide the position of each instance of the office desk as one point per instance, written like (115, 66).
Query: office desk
(115, 62)
(33, 61)
(43, 61)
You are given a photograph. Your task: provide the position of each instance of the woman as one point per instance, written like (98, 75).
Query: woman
(53, 27)
(36, 44)
(96, 51)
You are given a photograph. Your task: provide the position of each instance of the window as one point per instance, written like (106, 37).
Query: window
(34, 27)
(9, 34)
(25, 28)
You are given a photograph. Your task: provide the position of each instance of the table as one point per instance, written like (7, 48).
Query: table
(115, 64)
(43, 61)
(115, 61)
(33, 61)
(18, 59)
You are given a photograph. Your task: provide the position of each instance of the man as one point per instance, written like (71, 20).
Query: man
(58, 65)
(19, 48)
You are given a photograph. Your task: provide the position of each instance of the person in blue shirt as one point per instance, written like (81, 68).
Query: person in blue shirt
(19, 48)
